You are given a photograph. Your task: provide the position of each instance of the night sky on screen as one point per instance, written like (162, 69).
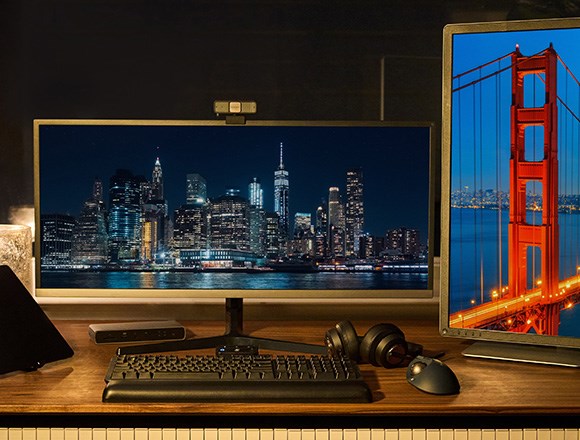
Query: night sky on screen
(394, 160)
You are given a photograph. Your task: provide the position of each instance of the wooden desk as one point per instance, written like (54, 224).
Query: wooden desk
(498, 392)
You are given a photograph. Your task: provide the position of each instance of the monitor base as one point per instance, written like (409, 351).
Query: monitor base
(234, 336)
(558, 356)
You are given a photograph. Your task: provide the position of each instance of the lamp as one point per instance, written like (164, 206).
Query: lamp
(16, 251)
(22, 215)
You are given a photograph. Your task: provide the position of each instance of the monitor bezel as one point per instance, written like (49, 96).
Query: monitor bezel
(172, 296)
(449, 32)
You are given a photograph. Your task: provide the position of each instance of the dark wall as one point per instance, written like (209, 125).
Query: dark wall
(170, 59)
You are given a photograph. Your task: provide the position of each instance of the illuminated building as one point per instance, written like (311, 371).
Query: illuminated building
(229, 223)
(257, 217)
(124, 217)
(155, 227)
(148, 240)
(257, 230)
(335, 211)
(157, 182)
(404, 242)
(321, 230)
(190, 227)
(98, 192)
(90, 238)
(154, 215)
(282, 196)
(57, 236)
(371, 246)
(303, 242)
(196, 189)
(274, 245)
(256, 193)
(354, 215)
(321, 225)
(336, 223)
(302, 224)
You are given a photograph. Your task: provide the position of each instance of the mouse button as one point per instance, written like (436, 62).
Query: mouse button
(444, 381)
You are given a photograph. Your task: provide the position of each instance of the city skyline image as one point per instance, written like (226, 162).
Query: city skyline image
(297, 198)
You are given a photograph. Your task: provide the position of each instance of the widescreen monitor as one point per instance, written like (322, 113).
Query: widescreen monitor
(510, 257)
(180, 210)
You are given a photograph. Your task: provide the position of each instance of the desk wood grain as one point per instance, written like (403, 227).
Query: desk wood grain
(74, 386)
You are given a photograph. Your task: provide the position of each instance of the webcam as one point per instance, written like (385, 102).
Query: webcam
(235, 111)
(235, 107)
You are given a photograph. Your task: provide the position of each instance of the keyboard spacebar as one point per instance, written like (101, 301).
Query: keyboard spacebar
(175, 391)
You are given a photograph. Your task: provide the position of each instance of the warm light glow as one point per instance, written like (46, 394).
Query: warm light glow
(22, 215)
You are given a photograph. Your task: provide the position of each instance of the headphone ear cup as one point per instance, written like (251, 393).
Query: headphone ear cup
(383, 345)
(414, 350)
(343, 338)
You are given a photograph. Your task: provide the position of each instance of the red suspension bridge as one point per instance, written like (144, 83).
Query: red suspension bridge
(527, 160)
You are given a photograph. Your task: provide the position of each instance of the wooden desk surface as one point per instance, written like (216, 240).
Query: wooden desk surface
(488, 387)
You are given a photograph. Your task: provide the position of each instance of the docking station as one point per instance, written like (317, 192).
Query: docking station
(115, 333)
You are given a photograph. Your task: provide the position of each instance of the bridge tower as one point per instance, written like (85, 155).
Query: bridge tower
(521, 234)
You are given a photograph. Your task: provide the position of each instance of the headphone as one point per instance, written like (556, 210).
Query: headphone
(382, 345)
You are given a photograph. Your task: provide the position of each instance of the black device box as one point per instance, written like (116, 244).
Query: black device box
(115, 333)
(28, 338)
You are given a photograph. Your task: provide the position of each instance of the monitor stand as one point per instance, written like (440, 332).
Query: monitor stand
(537, 354)
(234, 336)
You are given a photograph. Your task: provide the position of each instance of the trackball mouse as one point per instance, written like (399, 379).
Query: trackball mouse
(432, 376)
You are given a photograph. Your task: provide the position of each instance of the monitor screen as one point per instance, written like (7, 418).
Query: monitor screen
(181, 209)
(510, 258)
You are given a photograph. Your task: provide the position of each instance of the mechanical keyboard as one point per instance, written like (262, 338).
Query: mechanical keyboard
(234, 378)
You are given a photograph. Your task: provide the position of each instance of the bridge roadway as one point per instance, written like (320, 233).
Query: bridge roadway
(501, 308)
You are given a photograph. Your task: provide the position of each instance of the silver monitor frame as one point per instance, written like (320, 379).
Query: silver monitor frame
(52, 295)
(489, 350)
